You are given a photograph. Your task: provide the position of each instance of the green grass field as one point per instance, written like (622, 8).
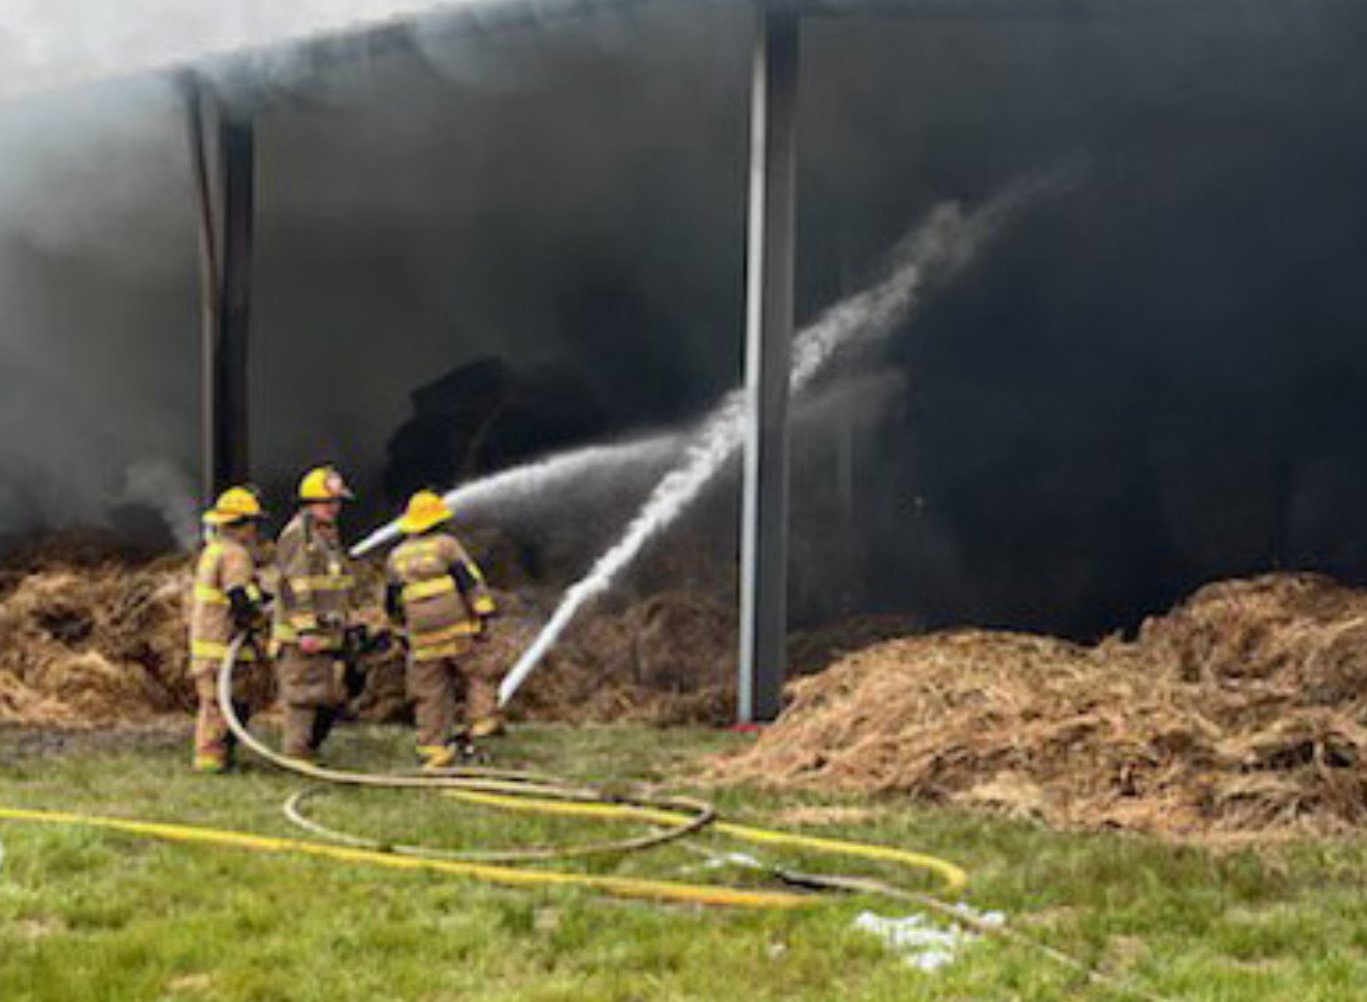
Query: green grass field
(95, 915)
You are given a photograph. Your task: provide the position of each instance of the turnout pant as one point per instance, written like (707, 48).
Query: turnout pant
(434, 686)
(312, 694)
(214, 742)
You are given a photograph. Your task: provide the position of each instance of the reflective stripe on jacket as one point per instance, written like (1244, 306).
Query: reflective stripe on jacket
(224, 565)
(317, 586)
(442, 592)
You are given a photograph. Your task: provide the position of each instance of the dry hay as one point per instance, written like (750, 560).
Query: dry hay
(96, 636)
(669, 659)
(1241, 710)
(1298, 630)
(91, 638)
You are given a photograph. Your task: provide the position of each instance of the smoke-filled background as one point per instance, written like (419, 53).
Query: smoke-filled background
(474, 250)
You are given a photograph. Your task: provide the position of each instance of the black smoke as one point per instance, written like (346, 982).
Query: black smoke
(1159, 381)
(1152, 381)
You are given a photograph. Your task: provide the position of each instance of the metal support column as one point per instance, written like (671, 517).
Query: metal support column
(223, 154)
(773, 180)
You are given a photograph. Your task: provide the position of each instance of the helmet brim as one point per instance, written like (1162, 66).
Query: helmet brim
(344, 494)
(413, 526)
(220, 518)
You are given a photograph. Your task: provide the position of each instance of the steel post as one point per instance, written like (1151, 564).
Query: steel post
(222, 152)
(764, 542)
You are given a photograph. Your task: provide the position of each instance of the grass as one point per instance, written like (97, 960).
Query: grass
(108, 917)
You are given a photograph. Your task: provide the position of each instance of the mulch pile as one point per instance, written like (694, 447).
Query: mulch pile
(1242, 710)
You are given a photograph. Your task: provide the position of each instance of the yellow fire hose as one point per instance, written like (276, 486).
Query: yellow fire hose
(673, 818)
(952, 877)
(623, 887)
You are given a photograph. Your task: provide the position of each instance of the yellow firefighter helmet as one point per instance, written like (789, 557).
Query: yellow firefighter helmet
(425, 511)
(324, 484)
(236, 504)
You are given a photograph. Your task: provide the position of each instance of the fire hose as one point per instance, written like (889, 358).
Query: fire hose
(674, 819)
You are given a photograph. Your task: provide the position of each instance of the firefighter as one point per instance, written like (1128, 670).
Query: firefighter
(315, 615)
(437, 593)
(227, 600)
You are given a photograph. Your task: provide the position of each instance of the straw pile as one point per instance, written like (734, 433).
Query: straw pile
(92, 637)
(96, 636)
(668, 659)
(1242, 710)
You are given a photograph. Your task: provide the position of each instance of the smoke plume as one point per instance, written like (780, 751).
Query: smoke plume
(1157, 381)
(937, 249)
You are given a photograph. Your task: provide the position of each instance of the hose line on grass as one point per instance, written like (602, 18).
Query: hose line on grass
(663, 891)
(502, 786)
(672, 818)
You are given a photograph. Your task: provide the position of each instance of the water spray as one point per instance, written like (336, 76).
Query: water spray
(530, 482)
(935, 251)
